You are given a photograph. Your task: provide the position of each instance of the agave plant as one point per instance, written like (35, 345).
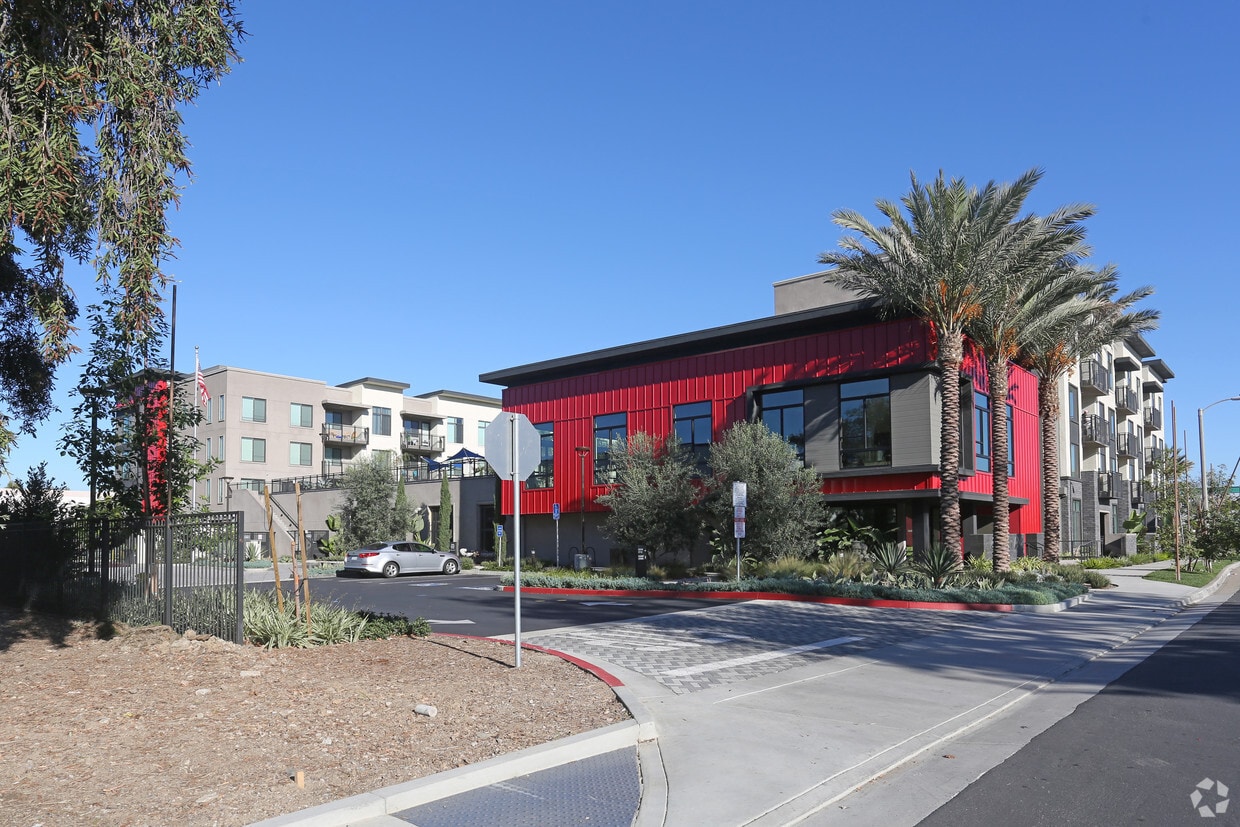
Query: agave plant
(890, 560)
(940, 564)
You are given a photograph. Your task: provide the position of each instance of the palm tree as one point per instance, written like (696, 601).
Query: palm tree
(933, 266)
(1055, 345)
(1028, 286)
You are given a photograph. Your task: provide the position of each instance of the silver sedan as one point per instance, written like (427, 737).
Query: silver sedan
(400, 557)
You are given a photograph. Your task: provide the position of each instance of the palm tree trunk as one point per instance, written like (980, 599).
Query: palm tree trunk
(951, 356)
(1048, 411)
(998, 382)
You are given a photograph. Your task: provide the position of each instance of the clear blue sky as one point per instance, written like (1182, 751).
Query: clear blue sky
(428, 191)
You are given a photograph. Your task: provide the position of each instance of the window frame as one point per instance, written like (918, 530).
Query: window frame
(257, 407)
(254, 441)
(610, 428)
(307, 454)
(306, 421)
(866, 392)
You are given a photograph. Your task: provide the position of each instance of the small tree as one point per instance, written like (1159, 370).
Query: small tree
(653, 501)
(366, 513)
(37, 500)
(784, 511)
(402, 513)
(443, 540)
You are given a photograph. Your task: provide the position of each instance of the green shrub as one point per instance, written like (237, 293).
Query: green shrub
(848, 565)
(890, 559)
(939, 563)
(268, 626)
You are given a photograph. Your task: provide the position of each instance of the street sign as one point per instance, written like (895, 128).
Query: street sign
(509, 456)
(555, 511)
(738, 512)
(738, 528)
(740, 494)
(499, 530)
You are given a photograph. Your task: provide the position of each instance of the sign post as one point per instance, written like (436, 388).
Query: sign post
(513, 449)
(740, 499)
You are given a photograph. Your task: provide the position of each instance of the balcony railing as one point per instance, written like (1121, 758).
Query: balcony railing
(421, 443)
(1095, 378)
(1129, 445)
(1126, 400)
(1108, 485)
(1153, 418)
(1095, 430)
(345, 434)
(1154, 456)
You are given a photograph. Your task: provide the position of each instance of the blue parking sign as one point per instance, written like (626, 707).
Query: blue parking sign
(555, 511)
(499, 530)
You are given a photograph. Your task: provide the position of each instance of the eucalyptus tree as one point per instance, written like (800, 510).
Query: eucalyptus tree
(1032, 282)
(934, 265)
(93, 154)
(1055, 345)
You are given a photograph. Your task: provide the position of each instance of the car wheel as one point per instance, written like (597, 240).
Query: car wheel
(390, 569)
(451, 567)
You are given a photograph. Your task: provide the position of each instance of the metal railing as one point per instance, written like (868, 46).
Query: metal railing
(345, 434)
(1108, 485)
(1127, 400)
(190, 574)
(409, 472)
(1094, 377)
(1095, 430)
(1153, 418)
(1129, 445)
(421, 442)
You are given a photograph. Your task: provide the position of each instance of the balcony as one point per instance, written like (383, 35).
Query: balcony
(417, 443)
(345, 434)
(1128, 445)
(1153, 418)
(1154, 456)
(1095, 430)
(1127, 401)
(1108, 485)
(1095, 379)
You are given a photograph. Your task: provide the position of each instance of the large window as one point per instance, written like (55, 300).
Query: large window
(784, 413)
(253, 450)
(544, 474)
(221, 456)
(865, 424)
(220, 418)
(482, 432)
(299, 453)
(381, 421)
(253, 410)
(981, 431)
(610, 435)
(300, 416)
(455, 426)
(334, 417)
(692, 426)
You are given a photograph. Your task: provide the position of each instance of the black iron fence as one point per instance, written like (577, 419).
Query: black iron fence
(189, 574)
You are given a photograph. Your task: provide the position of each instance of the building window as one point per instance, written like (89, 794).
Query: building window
(1011, 431)
(482, 432)
(253, 410)
(333, 460)
(610, 435)
(221, 491)
(544, 474)
(333, 417)
(692, 425)
(253, 450)
(220, 418)
(784, 413)
(455, 426)
(865, 423)
(381, 421)
(299, 453)
(981, 431)
(220, 456)
(206, 411)
(300, 416)
(207, 484)
(209, 454)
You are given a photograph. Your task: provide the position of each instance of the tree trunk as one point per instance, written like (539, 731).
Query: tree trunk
(1048, 411)
(1000, 450)
(951, 356)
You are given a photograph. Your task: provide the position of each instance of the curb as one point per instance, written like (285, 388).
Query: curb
(863, 602)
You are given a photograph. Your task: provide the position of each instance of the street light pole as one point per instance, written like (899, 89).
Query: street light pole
(1201, 435)
(227, 492)
(582, 452)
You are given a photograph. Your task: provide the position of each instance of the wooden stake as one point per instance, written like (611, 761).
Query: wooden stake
(305, 567)
(301, 780)
(271, 543)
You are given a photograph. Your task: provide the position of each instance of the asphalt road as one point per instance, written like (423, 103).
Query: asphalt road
(1136, 752)
(469, 604)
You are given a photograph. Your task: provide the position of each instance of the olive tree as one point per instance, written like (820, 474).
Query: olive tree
(653, 500)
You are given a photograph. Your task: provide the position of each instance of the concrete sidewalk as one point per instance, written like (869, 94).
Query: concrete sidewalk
(785, 713)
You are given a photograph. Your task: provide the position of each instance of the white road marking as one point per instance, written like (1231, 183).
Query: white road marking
(758, 658)
(606, 603)
(451, 622)
(476, 588)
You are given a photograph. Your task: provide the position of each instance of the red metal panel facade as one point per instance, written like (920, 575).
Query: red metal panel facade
(648, 392)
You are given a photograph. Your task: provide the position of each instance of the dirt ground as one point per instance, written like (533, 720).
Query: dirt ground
(148, 728)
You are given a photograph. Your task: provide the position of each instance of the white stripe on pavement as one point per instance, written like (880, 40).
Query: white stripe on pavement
(758, 658)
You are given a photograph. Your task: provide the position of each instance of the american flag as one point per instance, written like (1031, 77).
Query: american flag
(202, 383)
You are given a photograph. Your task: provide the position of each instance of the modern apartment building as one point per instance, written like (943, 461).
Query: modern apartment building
(854, 391)
(1110, 439)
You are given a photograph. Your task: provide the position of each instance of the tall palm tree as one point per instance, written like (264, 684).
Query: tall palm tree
(1027, 287)
(933, 265)
(1054, 347)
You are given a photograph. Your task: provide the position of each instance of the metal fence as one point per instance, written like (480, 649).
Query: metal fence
(189, 574)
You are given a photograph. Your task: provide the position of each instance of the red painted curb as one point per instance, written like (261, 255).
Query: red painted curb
(602, 674)
(867, 602)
